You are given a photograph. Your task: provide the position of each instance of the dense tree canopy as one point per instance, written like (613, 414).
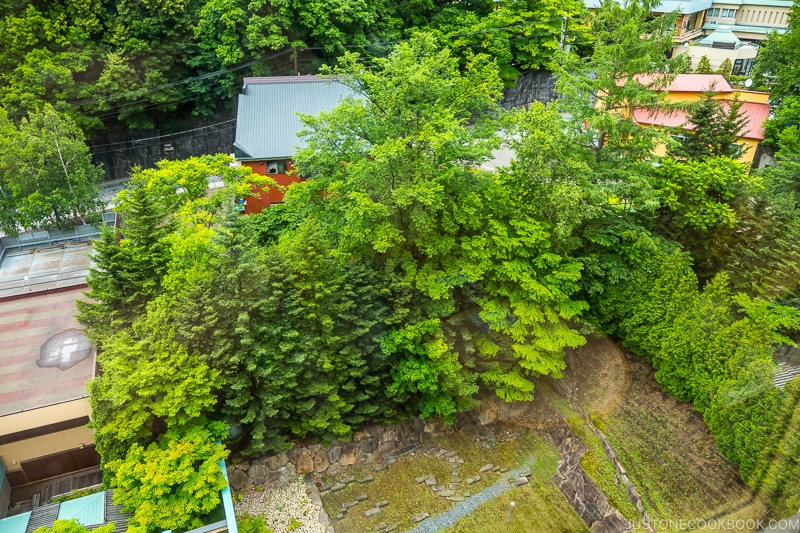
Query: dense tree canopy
(399, 277)
(110, 62)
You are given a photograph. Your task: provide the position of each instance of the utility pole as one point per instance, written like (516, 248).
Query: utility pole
(564, 30)
(296, 72)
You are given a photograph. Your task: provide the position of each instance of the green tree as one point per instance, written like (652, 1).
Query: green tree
(131, 261)
(398, 160)
(73, 526)
(715, 129)
(778, 71)
(147, 385)
(600, 92)
(519, 34)
(703, 66)
(295, 332)
(703, 195)
(725, 68)
(48, 175)
(171, 483)
(398, 165)
(762, 253)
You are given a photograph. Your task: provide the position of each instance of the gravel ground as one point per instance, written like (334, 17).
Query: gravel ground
(460, 510)
(278, 506)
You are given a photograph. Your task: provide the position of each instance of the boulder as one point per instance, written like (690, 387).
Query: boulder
(334, 453)
(486, 415)
(239, 481)
(375, 430)
(287, 471)
(404, 430)
(387, 447)
(321, 462)
(305, 465)
(369, 445)
(369, 513)
(419, 517)
(348, 458)
(258, 473)
(276, 461)
(297, 452)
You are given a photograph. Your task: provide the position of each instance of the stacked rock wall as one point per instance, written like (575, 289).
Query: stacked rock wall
(373, 444)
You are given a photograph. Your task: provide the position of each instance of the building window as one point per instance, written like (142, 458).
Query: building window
(714, 12)
(277, 166)
(742, 67)
(728, 13)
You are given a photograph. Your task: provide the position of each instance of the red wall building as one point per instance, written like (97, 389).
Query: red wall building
(268, 126)
(271, 195)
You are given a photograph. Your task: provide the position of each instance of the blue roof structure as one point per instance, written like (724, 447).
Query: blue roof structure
(266, 121)
(88, 510)
(15, 524)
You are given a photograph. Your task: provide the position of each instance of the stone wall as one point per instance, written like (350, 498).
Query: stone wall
(579, 489)
(373, 444)
(533, 86)
(119, 152)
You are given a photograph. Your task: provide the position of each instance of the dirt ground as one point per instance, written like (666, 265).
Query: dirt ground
(597, 373)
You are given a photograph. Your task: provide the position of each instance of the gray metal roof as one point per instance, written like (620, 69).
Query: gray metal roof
(267, 123)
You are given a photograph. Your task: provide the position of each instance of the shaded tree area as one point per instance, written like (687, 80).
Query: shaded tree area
(137, 64)
(308, 320)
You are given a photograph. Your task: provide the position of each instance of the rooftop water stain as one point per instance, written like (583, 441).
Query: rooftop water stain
(64, 350)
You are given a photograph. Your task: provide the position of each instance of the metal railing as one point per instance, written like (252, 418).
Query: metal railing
(38, 239)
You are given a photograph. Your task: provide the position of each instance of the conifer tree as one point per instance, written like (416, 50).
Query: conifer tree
(725, 68)
(715, 129)
(703, 66)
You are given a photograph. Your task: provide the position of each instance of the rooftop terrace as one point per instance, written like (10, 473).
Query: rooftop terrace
(44, 358)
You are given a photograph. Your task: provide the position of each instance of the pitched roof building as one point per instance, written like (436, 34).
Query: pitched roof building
(691, 87)
(268, 125)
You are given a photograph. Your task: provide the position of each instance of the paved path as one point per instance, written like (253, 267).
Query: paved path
(462, 509)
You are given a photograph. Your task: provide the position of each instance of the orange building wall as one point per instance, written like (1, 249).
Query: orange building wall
(272, 195)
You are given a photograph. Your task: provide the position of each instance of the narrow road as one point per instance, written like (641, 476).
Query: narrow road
(462, 509)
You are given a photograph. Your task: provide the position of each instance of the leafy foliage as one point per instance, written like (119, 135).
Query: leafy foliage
(703, 66)
(73, 526)
(47, 178)
(172, 482)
